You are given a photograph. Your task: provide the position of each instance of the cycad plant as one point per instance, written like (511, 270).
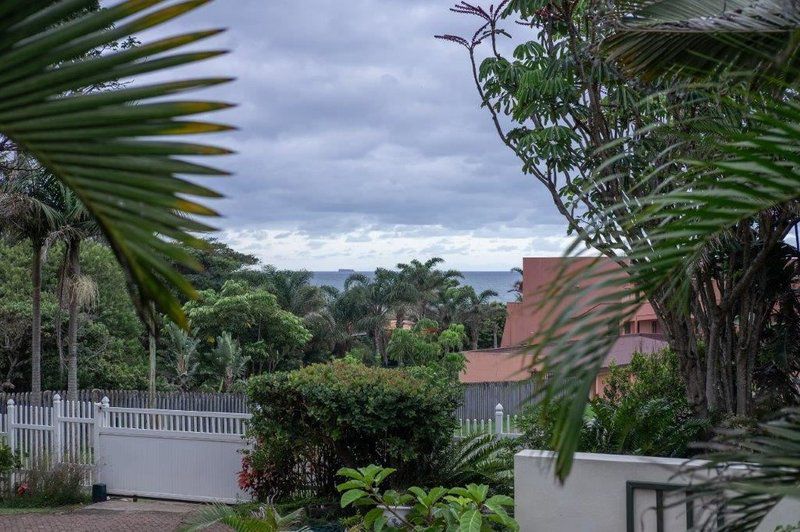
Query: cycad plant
(477, 459)
(263, 519)
(93, 143)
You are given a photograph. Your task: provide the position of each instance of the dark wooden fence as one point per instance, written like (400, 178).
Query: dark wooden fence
(481, 398)
(199, 401)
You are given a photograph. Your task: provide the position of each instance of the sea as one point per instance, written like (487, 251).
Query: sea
(501, 282)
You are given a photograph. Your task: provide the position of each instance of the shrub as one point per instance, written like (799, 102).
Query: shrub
(9, 461)
(642, 411)
(437, 510)
(45, 484)
(309, 423)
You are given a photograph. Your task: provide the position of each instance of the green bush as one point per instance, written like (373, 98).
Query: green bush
(9, 461)
(309, 423)
(438, 510)
(643, 411)
(46, 484)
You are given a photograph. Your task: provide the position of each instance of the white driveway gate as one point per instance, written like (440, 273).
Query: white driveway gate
(172, 454)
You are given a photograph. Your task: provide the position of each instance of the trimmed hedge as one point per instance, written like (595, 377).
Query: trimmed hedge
(309, 423)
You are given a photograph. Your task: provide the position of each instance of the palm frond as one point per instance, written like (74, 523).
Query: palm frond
(265, 519)
(696, 36)
(760, 467)
(92, 142)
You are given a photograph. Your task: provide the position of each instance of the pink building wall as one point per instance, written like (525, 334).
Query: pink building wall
(523, 319)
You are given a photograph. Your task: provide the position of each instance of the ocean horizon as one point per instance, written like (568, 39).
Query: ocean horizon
(499, 281)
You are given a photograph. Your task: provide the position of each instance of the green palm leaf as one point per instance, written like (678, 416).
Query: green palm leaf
(760, 466)
(701, 35)
(757, 171)
(92, 142)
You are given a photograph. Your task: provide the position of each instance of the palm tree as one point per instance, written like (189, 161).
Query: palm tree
(182, 350)
(228, 353)
(376, 300)
(427, 283)
(295, 293)
(476, 311)
(92, 142)
(76, 225)
(338, 321)
(516, 288)
(26, 206)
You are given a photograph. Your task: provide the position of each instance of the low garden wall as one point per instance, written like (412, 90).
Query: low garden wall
(612, 492)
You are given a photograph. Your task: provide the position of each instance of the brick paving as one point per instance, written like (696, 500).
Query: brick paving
(138, 517)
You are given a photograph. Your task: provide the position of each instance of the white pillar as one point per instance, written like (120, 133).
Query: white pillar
(100, 420)
(11, 425)
(104, 410)
(58, 429)
(498, 419)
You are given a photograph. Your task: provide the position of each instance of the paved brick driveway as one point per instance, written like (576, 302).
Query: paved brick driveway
(123, 516)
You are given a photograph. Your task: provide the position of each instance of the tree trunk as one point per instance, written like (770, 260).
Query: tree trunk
(151, 381)
(72, 324)
(380, 347)
(475, 337)
(36, 327)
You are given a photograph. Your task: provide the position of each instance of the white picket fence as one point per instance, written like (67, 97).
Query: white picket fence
(61, 433)
(503, 425)
(104, 438)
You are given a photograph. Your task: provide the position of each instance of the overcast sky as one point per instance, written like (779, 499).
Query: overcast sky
(361, 141)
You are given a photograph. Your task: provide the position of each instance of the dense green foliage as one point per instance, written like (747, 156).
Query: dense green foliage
(45, 484)
(666, 133)
(92, 143)
(110, 335)
(327, 416)
(440, 509)
(276, 320)
(643, 410)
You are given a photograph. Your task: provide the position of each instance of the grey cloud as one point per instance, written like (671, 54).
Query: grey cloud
(354, 118)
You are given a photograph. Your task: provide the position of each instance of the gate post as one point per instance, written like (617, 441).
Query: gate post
(11, 425)
(498, 419)
(58, 428)
(100, 420)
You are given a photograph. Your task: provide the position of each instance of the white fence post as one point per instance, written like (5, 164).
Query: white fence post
(100, 420)
(58, 429)
(498, 419)
(104, 411)
(11, 422)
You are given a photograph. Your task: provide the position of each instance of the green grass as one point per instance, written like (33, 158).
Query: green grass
(16, 510)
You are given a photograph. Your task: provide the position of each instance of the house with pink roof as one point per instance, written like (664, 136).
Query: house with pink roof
(512, 362)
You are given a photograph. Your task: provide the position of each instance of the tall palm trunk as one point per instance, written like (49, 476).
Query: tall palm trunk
(151, 381)
(380, 347)
(74, 268)
(36, 326)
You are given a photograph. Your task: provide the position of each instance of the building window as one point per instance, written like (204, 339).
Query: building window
(626, 328)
